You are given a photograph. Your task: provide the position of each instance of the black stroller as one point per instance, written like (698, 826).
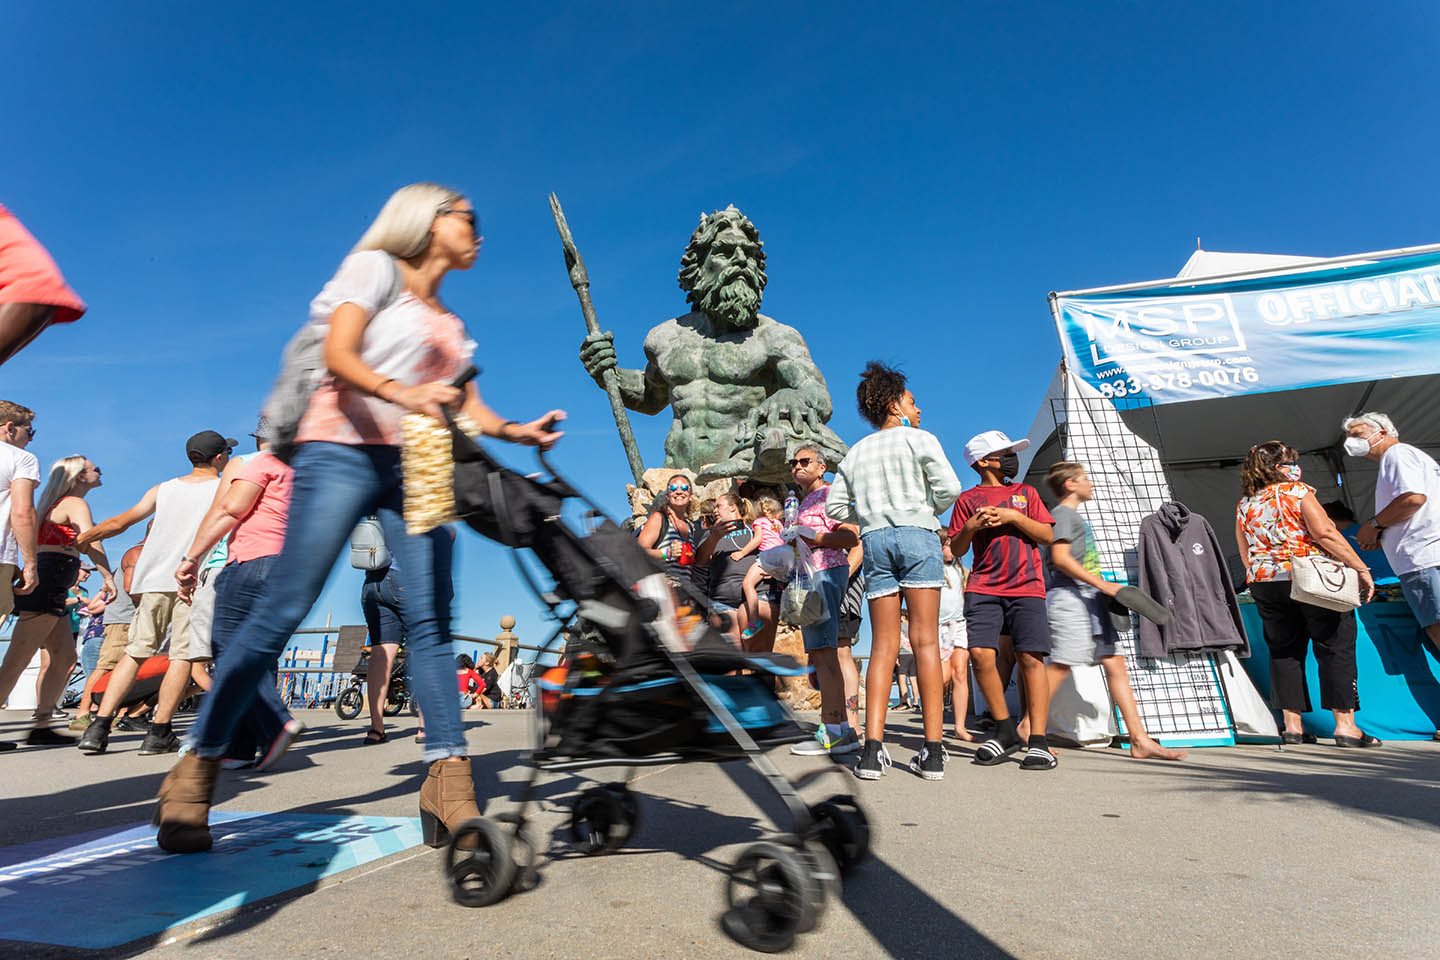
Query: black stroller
(656, 684)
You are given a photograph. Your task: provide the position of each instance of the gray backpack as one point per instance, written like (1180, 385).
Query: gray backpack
(302, 366)
(368, 550)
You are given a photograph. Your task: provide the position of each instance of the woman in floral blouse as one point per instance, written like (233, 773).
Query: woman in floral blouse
(1279, 520)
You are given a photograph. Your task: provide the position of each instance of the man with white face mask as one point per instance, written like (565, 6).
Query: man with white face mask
(1407, 512)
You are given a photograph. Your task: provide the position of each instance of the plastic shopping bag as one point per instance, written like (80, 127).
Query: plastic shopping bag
(802, 603)
(777, 562)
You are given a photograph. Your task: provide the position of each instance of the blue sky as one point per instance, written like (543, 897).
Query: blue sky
(922, 177)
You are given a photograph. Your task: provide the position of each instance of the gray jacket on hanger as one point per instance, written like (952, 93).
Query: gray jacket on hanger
(1182, 566)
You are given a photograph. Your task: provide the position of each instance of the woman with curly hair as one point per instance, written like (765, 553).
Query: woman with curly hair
(1279, 520)
(893, 483)
(43, 614)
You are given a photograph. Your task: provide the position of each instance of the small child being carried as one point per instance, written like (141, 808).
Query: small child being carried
(767, 529)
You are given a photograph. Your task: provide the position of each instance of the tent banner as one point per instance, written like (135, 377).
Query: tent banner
(1199, 340)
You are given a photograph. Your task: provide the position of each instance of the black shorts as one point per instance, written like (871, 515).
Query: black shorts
(57, 573)
(905, 664)
(1024, 619)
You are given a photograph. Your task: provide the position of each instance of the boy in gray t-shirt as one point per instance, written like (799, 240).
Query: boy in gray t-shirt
(1076, 599)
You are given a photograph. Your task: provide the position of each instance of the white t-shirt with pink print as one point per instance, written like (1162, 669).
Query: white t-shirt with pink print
(406, 341)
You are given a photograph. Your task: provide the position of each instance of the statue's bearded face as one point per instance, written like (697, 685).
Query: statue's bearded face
(724, 269)
(731, 280)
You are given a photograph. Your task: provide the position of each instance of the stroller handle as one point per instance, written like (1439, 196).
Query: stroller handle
(466, 375)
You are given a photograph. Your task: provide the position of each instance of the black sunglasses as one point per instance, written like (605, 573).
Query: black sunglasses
(468, 215)
(801, 461)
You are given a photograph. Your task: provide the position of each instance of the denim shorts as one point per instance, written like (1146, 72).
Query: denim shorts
(901, 558)
(380, 600)
(1422, 592)
(832, 582)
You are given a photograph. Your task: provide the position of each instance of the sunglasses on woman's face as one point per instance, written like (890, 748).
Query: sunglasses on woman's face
(679, 488)
(468, 215)
(801, 462)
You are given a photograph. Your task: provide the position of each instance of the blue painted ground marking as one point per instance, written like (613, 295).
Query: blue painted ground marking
(132, 889)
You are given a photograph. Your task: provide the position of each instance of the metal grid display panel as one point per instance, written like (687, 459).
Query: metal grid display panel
(1179, 698)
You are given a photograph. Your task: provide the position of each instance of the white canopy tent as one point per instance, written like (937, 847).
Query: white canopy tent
(1198, 446)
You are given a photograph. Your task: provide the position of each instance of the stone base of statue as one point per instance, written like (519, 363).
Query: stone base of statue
(796, 692)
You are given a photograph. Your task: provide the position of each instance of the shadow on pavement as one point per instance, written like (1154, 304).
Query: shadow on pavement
(1397, 786)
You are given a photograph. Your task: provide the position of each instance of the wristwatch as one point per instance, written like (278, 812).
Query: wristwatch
(1375, 522)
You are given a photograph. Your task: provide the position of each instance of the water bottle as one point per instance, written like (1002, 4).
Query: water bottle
(792, 508)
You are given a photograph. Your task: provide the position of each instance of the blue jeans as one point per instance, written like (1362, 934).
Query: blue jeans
(335, 485)
(380, 603)
(240, 588)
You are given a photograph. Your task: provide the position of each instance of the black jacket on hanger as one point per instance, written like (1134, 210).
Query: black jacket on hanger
(1182, 566)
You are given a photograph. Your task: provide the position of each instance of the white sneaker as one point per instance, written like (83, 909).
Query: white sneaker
(292, 729)
(816, 746)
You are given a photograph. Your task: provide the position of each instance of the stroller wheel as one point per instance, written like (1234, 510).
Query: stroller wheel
(841, 826)
(348, 704)
(825, 874)
(479, 863)
(524, 852)
(628, 803)
(603, 819)
(772, 895)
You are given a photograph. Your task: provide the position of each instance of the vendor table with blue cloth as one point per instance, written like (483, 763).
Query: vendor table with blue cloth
(1395, 666)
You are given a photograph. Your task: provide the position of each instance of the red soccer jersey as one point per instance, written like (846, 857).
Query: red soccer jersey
(1005, 562)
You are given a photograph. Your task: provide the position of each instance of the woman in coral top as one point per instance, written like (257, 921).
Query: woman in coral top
(1279, 520)
(391, 347)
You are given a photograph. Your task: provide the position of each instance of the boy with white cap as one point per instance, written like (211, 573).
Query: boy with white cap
(1008, 526)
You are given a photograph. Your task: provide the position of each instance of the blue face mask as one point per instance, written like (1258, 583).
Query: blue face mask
(904, 421)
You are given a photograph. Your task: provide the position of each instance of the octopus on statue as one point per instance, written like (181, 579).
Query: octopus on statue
(744, 389)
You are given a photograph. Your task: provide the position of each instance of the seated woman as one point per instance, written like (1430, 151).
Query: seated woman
(491, 691)
(472, 685)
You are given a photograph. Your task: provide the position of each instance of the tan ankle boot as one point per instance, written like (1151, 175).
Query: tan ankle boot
(183, 813)
(447, 800)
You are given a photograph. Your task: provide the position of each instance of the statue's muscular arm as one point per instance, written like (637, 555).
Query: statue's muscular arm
(644, 391)
(795, 370)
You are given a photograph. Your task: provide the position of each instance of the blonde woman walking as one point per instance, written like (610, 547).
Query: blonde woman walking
(391, 347)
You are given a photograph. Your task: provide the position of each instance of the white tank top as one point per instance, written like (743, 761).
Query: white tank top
(179, 507)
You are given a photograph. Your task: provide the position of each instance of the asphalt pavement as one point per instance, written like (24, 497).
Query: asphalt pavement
(1310, 851)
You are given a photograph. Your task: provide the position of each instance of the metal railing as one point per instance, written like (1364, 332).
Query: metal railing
(318, 686)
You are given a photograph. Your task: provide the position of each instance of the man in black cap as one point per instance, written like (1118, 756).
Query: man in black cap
(178, 506)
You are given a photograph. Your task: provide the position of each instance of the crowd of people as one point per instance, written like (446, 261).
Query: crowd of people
(237, 549)
(1035, 603)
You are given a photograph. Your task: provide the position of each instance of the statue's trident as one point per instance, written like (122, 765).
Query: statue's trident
(580, 280)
